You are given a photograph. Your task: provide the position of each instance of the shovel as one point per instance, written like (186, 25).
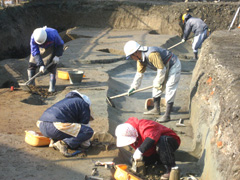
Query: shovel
(25, 86)
(125, 94)
(175, 45)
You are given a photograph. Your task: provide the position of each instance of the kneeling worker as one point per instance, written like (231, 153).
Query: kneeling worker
(67, 122)
(152, 142)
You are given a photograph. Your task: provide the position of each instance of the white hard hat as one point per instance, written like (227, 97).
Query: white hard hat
(40, 35)
(126, 134)
(131, 47)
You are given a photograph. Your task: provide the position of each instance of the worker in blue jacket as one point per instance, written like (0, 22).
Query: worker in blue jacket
(200, 30)
(46, 46)
(67, 123)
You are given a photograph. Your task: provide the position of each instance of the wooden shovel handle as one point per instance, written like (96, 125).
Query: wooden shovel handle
(125, 94)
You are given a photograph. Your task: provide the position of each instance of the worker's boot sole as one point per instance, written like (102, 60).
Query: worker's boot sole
(152, 112)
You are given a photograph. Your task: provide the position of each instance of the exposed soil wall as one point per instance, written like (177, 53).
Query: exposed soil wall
(214, 97)
(215, 106)
(17, 23)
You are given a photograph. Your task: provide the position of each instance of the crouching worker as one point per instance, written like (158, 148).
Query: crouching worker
(152, 142)
(67, 123)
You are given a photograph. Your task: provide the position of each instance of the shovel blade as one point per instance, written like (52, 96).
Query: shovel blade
(24, 87)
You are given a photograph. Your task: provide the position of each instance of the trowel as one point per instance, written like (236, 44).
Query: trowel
(138, 166)
(25, 87)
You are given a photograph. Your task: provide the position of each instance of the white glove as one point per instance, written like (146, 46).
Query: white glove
(56, 60)
(183, 40)
(42, 69)
(137, 155)
(137, 80)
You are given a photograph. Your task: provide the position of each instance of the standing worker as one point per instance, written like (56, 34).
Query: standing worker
(46, 46)
(152, 142)
(67, 122)
(200, 30)
(168, 69)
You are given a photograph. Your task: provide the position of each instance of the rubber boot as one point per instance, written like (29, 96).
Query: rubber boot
(195, 56)
(156, 107)
(52, 83)
(166, 116)
(31, 73)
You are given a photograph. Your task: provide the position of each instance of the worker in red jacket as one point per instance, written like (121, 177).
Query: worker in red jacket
(152, 142)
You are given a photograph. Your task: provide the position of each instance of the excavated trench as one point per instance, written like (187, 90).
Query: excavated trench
(199, 151)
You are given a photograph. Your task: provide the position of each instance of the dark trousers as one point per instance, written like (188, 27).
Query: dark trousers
(47, 57)
(49, 130)
(165, 148)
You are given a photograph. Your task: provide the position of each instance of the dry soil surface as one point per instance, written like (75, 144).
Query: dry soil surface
(106, 74)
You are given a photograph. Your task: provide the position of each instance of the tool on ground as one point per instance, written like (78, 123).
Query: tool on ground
(138, 166)
(25, 86)
(92, 178)
(175, 45)
(94, 172)
(180, 123)
(76, 153)
(99, 163)
(124, 94)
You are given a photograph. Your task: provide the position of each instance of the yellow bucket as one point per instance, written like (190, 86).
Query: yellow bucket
(36, 139)
(121, 173)
(63, 74)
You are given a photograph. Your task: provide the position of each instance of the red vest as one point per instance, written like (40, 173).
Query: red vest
(148, 128)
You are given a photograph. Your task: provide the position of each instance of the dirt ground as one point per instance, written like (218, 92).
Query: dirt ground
(98, 52)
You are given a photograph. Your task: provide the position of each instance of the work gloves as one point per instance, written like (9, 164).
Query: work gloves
(183, 40)
(131, 91)
(136, 83)
(56, 60)
(42, 69)
(137, 155)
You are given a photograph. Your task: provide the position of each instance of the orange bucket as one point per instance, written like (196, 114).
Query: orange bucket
(121, 173)
(149, 103)
(36, 139)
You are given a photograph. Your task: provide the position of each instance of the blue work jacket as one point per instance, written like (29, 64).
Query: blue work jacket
(72, 109)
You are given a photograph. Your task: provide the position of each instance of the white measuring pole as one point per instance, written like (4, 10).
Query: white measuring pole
(234, 18)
